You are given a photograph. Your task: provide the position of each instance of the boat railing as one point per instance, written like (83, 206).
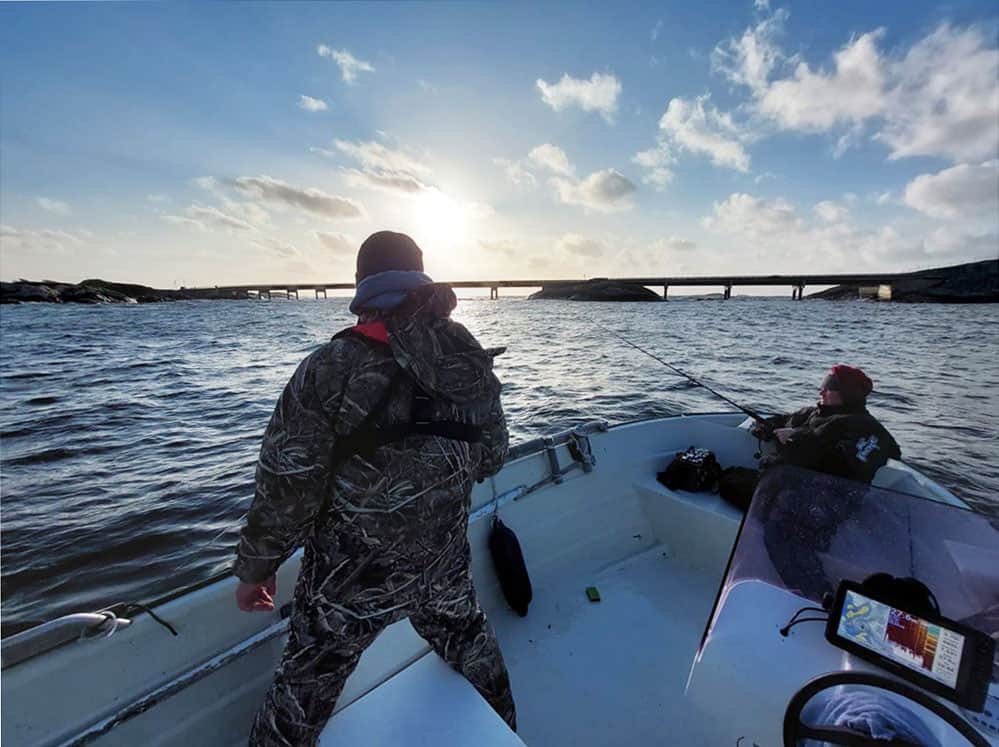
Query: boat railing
(556, 439)
(48, 635)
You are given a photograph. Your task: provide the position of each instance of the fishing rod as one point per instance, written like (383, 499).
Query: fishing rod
(751, 413)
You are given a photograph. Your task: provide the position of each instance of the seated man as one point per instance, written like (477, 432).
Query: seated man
(838, 436)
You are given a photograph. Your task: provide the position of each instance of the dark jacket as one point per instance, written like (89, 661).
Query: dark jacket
(410, 498)
(842, 440)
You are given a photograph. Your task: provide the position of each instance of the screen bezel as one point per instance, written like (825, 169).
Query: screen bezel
(970, 689)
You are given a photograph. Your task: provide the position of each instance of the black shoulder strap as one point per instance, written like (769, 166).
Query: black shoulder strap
(367, 436)
(362, 440)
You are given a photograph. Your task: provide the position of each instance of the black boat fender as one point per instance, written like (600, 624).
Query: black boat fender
(508, 560)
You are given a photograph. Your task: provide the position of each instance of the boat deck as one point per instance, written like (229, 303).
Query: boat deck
(611, 672)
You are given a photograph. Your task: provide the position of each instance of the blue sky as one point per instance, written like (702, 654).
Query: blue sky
(228, 143)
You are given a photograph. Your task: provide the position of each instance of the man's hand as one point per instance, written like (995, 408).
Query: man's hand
(783, 434)
(762, 430)
(256, 597)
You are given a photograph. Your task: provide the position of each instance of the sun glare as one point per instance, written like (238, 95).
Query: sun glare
(440, 223)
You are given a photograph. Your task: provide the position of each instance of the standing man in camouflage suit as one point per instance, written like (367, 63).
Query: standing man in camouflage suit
(369, 460)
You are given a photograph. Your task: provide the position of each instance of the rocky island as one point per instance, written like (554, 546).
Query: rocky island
(974, 282)
(598, 289)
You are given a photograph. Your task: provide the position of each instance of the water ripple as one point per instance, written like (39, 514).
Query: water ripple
(128, 435)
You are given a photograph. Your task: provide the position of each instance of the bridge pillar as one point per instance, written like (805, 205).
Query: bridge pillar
(728, 292)
(801, 291)
(317, 293)
(494, 293)
(665, 293)
(289, 291)
(266, 294)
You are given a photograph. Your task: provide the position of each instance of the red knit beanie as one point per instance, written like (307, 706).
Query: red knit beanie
(851, 382)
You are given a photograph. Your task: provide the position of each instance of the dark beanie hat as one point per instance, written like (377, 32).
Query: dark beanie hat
(851, 382)
(388, 250)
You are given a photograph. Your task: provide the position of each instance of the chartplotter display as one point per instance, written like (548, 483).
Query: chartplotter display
(939, 654)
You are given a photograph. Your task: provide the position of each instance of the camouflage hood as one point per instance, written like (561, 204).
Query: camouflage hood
(438, 353)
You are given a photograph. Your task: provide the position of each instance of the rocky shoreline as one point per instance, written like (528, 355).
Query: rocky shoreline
(974, 282)
(101, 291)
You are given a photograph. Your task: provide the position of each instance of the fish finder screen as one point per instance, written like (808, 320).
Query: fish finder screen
(907, 639)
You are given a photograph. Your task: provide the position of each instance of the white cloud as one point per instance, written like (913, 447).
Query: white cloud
(477, 210)
(817, 100)
(277, 246)
(697, 128)
(42, 240)
(349, 65)
(598, 94)
(749, 60)
(604, 191)
(310, 104)
(207, 183)
(657, 162)
(771, 231)
(831, 212)
(251, 212)
(808, 100)
(426, 86)
(385, 180)
(964, 191)
(938, 98)
(672, 245)
(516, 172)
(393, 170)
(654, 34)
(553, 158)
(754, 217)
(764, 176)
(508, 247)
(207, 218)
(158, 198)
(336, 243)
(574, 243)
(884, 198)
(374, 155)
(945, 101)
(312, 200)
(53, 206)
(953, 240)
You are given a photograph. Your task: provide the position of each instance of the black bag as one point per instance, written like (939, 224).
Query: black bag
(695, 470)
(508, 561)
(737, 485)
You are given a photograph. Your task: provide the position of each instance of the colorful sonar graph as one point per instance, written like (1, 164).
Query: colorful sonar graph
(913, 638)
(904, 638)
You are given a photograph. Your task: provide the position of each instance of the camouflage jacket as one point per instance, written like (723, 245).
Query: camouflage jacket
(412, 488)
(839, 440)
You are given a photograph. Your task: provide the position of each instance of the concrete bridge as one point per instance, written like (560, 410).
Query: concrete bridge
(875, 284)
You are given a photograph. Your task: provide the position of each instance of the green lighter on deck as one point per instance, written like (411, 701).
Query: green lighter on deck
(592, 594)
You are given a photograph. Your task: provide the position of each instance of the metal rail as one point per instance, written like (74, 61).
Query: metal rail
(41, 638)
(171, 687)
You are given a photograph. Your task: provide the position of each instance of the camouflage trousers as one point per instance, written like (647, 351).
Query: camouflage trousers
(333, 623)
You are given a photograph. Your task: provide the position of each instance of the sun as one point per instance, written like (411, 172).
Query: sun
(439, 222)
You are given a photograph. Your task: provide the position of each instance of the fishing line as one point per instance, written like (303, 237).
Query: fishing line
(751, 413)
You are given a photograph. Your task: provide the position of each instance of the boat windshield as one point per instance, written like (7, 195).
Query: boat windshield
(805, 532)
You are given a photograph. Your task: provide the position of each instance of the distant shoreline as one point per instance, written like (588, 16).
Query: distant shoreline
(973, 282)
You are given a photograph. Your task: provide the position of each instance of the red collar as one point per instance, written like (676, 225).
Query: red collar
(376, 331)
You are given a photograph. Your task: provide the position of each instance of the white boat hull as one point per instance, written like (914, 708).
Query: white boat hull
(583, 673)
